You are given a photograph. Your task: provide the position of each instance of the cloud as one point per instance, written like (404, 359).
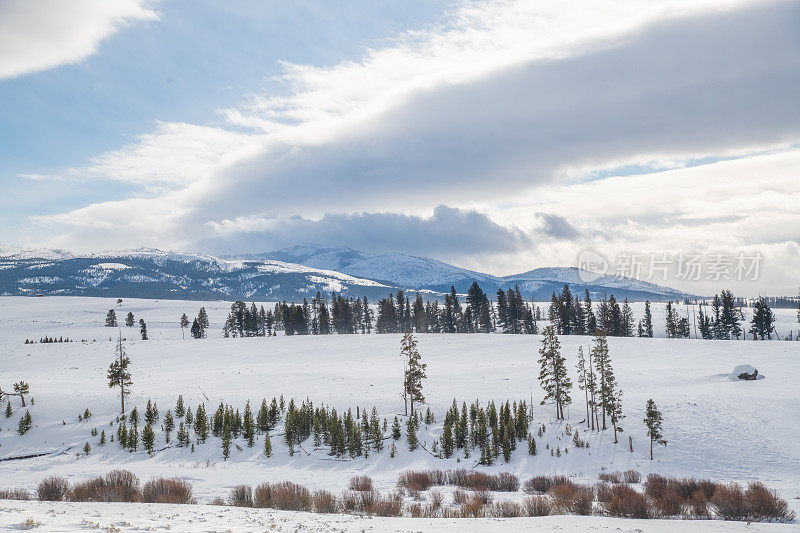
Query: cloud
(449, 232)
(557, 226)
(500, 109)
(37, 35)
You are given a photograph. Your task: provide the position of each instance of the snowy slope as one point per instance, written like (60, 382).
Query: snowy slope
(717, 428)
(159, 274)
(424, 273)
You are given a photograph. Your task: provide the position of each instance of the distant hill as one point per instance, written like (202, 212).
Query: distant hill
(291, 274)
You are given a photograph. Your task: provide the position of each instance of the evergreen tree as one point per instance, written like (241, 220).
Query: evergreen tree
(21, 389)
(652, 420)
(9, 412)
(103, 438)
(111, 319)
(201, 423)
(180, 409)
(411, 434)
(184, 325)
(118, 375)
(129, 321)
(671, 321)
(553, 372)
(196, 331)
(148, 438)
(249, 426)
(605, 373)
(267, 445)
(151, 413)
(226, 437)
(87, 448)
(25, 423)
(763, 322)
(647, 322)
(169, 425)
(143, 329)
(626, 329)
(202, 320)
(415, 370)
(583, 381)
(591, 320)
(396, 431)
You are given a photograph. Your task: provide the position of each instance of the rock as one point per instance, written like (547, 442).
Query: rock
(746, 373)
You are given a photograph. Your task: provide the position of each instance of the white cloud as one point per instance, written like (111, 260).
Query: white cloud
(504, 100)
(38, 35)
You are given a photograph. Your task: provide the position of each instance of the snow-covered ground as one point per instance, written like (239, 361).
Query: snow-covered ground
(718, 428)
(157, 517)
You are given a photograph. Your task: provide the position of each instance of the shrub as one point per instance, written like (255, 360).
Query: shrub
(668, 504)
(506, 509)
(626, 502)
(241, 496)
(360, 483)
(698, 506)
(122, 486)
(436, 499)
(366, 499)
(729, 502)
(167, 490)
(14, 494)
(603, 492)
(632, 476)
(472, 508)
(506, 482)
(610, 477)
(415, 480)
(116, 486)
(290, 496)
(322, 501)
(261, 496)
(537, 506)
(217, 501)
(656, 486)
(391, 505)
(764, 504)
(483, 495)
(541, 484)
(459, 497)
(52, 489)
(573, 498)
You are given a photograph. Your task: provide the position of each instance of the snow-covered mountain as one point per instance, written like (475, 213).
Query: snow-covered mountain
(423, 273)
(150, 273)
(291, 274)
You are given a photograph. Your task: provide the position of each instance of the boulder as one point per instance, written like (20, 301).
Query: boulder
(746, 373)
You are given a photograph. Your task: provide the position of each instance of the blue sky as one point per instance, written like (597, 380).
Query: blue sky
(501, 135)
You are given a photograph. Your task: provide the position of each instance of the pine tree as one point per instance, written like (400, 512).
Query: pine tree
(103, 438)
(184, 324)
(553, 372)
(180, 410)
(411, 434)
(25, 423)
(196, 331)
(531, 444)
(447, 444)
(21, 389)
(202, 320)
(111, 319)
(267, 445)
(143, 329)
(415, 370)
(605, 374)
(396, 430)
(148, 438)
(129, 321)
(169, 425)
(118, 375)
(201, 423)
(226, 438)
(652, 420)
(87, 448)
(182, 436)
(151, 413)
(583, 381)
(9, 412)
(249, 428)
(647, 323)
(763, 322)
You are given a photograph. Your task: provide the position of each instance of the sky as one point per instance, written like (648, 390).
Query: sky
(659, 140)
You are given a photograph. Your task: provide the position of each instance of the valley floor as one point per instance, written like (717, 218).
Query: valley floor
(717, 428)
(201, 518)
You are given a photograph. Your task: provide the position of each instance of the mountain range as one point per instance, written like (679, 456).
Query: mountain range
(290, 274)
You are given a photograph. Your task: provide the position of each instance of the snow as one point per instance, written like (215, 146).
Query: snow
(745, 369)
(148, 517)
(112, 266)
(716, 428)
